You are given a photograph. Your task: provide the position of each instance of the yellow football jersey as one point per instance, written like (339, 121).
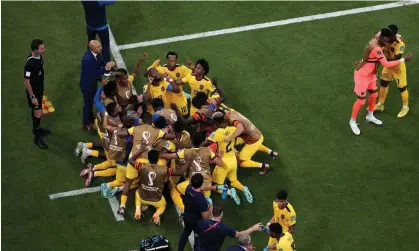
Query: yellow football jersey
(396, 48)
(285, 217)
(203, 85)
(158, 91)
(218, 137)
(286, 243)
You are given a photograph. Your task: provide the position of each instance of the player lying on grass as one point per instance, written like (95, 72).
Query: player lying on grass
(394, 50)
(145, 136)
(366, 80)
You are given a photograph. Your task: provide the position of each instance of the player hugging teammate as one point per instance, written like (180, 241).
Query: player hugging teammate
(161, 138)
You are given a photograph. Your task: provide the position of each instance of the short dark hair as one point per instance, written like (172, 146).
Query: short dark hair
(217, 211)
(199, 100)
(109, 88)
(153, 156)
(36, 43)
(171, 53)
(157, 103)
(282, 195)
(160, 122)
(197, 138)
(110, 107)
(275, 228)
(120, 72)
(128, 121)
(197, 180)
(147, 117)
(386, 32)
(178, 127)
(394, 29)
(204, 64)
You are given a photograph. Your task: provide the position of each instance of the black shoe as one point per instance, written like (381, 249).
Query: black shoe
(40, 142)
(45, 131)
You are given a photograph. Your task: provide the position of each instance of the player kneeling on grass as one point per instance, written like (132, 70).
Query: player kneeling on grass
(119, 150)
(152, 178)
(284, 241)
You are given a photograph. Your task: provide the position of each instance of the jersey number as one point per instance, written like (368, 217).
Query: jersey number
(230, 147)
(183, 109)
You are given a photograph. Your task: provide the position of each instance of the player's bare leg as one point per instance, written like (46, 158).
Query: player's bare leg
(138, 211)
(371, 104)
(360, 101)
(274, 155)
(124, 196)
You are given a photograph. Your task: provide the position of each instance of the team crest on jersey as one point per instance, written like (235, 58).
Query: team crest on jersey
(212, 135)
(201, 87)
(162, 88)
(166, 145)
(378, 52)
(282, 216)
(178, 75)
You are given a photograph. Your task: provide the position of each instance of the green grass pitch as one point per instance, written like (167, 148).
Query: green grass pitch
(294, 82)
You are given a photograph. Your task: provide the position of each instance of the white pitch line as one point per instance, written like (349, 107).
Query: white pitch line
(266, 25)
(114, 206)
(74, 192)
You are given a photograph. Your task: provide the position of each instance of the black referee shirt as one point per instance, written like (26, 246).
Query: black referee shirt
(34, 71)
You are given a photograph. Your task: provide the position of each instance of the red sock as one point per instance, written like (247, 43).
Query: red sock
(355, 109)
(372, 99)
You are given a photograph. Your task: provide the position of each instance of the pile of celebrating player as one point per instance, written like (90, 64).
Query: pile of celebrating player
(164, 136)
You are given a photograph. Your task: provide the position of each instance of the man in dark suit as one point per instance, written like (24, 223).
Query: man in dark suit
(245, 244)
(92, 67)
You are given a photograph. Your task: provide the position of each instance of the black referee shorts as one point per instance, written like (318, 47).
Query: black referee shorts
(38, 96)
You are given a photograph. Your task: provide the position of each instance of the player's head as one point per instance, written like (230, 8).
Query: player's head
(157, 103)
(128, 121)
(160, 122)
(201, 67)
(394, 29)
(199, 100)
(282, 199)
(153, 156)
(197, 180)
(110, 89)
(245, 240)
(152, 72)
(178, 127)
(217, 211)
(385, 36)
(275, 230)
(171, 57)
(197, 138)
(147, 118)
(113, 109)
(37, 46)
(121, 76)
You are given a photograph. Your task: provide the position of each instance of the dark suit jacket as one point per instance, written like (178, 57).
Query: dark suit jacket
(91, 70)
(235, 248)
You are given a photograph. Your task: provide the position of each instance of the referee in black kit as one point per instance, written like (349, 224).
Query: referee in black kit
(34, 83)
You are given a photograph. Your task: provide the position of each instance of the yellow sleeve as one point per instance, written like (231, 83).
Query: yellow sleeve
(161, 70)
(214, 136)
(185, 71)
(155, 64)
(212, 155)
(211, 87)
(292, 218)
(131, 131)
(399, 48)
(131, 78)
(145, 88)
(185, 79)
(170, 146)
(160, 135)
(181, 154)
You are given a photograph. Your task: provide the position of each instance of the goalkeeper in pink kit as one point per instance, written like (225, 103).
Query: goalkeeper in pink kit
(365, 77)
